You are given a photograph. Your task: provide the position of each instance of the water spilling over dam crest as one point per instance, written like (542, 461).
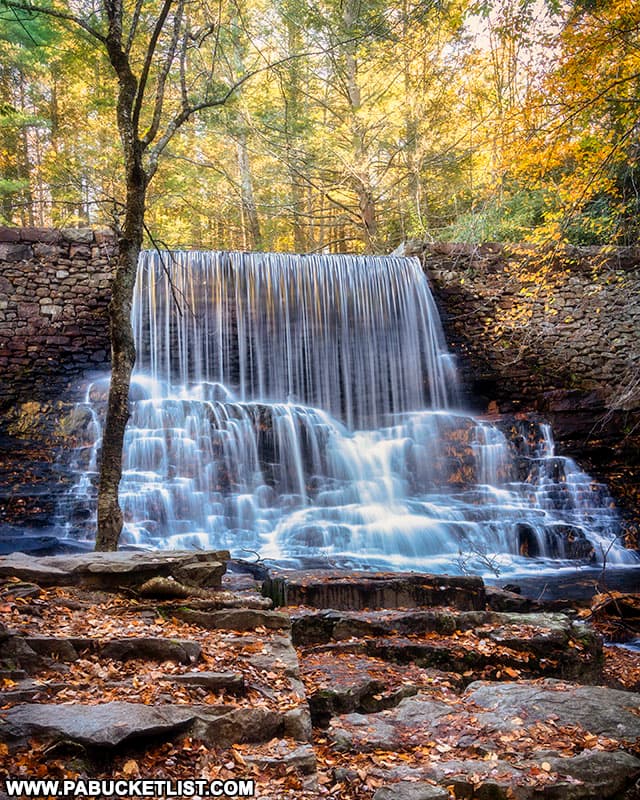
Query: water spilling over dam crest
(307, 407)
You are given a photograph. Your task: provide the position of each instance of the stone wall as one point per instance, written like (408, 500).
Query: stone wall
(54, 290)
(527, 321)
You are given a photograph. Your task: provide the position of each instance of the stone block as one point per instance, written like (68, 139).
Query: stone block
(9, 234)
(15, 251)
(48, 235)
(79, 251)
(105, 236)
(77, 235)
(44, 250)
(51, 310)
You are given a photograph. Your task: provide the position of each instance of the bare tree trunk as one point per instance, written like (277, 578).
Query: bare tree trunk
(361, 177)
(293, 132)
(123, 356)
(123, 351)
(250, 217)
(110, 518)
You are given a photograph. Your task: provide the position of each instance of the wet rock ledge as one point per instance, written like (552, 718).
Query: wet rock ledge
(392, 687)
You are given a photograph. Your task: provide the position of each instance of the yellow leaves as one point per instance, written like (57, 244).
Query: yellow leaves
(131, 769)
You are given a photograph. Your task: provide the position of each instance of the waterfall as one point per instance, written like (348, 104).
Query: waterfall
(356, 336)
(305, 407)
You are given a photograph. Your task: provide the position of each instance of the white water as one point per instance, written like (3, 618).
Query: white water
(299, 407)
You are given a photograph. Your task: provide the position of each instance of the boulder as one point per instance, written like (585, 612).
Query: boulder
(108, 571)
(232, 681)
(151, 649)
(597, 709)
(222, 727)
(329, 589)
(107, 725)
(601, 773)
(344, 697)
(407, 790)
(297, 724)
(235, 619)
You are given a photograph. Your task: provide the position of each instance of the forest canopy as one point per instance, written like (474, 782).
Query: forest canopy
(349, 126)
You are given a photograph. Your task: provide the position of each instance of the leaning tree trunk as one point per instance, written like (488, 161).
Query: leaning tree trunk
(123, 356)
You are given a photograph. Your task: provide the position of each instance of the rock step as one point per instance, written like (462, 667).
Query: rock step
(365, 684)
(112, 571)
(282, 758)
(555, 740)
(592, 775)
(488, 711)
(235, 619)
(320, 627)
(29, 651)
(221, 600)
(332, 589)
(468, 643)
(111, 725)
(310, 626)
(232, 681)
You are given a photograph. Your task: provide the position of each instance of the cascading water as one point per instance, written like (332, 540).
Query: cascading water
(298, 406)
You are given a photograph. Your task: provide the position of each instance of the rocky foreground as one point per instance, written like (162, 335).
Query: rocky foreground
(411, 687)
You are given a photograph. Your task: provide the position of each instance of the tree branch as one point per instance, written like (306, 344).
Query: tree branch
(162, 77)
(144, 75)
(52, 12)
(135, 19)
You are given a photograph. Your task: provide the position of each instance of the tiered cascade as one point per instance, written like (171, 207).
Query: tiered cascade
(301, 407)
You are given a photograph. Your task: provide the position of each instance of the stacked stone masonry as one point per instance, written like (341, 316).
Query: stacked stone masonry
(54, 291)
(527, 322)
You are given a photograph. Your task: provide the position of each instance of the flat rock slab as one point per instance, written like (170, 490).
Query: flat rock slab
(273, 653)
(108, 570)
(414, 721)
(407, 790)
(234, 619)
(106, 725)
(233, 681)
(592, 775)
(149, 648)
(596, 709)
(332, 589)
(319, 627)
(494, 709)
(112, 724)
